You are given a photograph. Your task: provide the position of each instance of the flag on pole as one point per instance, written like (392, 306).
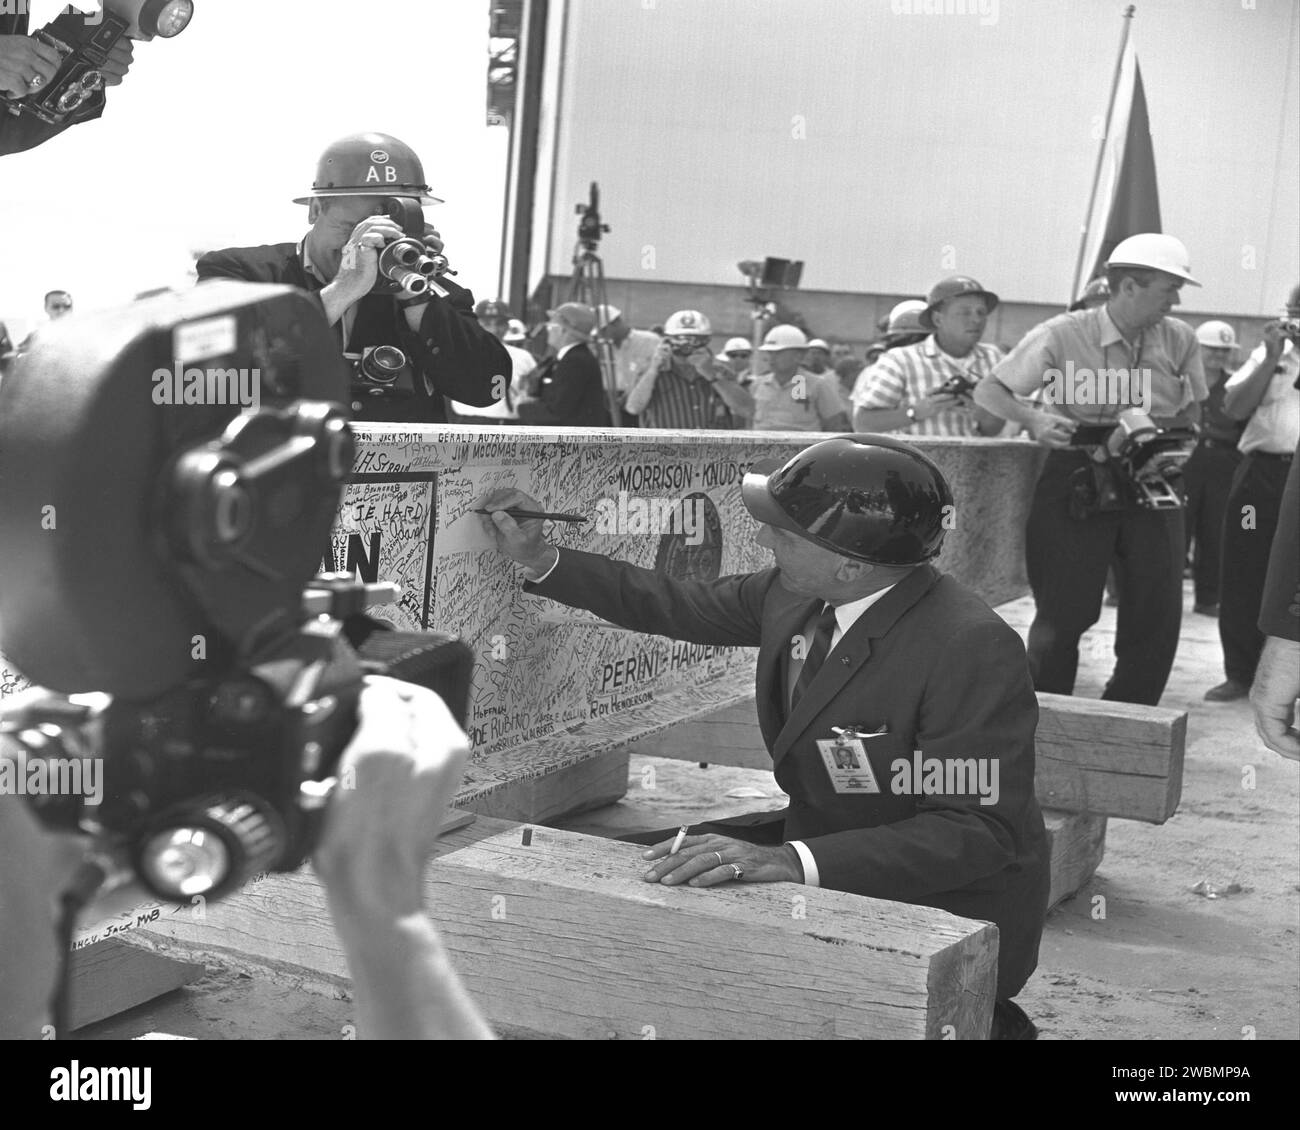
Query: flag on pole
(1126, 200)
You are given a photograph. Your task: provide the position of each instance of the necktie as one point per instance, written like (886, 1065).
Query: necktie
(817, 652)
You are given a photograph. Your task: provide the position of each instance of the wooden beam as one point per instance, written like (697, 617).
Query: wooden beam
(563, 939)
(1077, 844)
(1102, 758)
(1110, 758)
(549, 793)
(112, 976)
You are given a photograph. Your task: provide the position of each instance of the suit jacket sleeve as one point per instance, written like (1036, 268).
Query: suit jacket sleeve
(726, 612)
(978, 703)
(460, 358)
(563, 400)
(1279, 613)
(222, 265)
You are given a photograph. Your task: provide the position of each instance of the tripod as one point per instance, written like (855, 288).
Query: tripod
(588, 286)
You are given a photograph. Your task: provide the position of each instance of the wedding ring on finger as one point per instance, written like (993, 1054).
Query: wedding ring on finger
(740, 871)
(719, 855)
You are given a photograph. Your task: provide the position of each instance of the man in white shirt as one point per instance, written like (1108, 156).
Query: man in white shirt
(1264, 393)
(634, 354)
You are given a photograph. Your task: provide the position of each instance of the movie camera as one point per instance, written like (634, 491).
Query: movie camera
(157, 567)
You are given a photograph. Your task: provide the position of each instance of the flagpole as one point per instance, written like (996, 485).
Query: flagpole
(1101, 154)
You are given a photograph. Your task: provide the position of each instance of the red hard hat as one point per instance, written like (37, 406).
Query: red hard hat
(868, 497)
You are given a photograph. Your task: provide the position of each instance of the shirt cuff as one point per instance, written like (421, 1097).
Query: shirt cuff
(810, 876)
(528, 573)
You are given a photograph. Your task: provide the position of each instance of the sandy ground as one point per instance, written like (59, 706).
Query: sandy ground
(1156, 960)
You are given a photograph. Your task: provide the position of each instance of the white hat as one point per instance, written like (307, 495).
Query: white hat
(817, 343)
(1156, 251)
(738, 345)
(1217, 335)
(784, 337)
(607, 314)
(515, 331)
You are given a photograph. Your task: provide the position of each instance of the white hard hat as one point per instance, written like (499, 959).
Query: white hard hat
(817, 343)
(912, 306)
(1154, 250)
(687, 322)
(1217, 335)
(784, 337)
(738, 345)
(905, 318)
(607, 314)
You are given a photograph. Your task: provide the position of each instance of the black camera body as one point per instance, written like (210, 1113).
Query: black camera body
(168, 570)
(381, 371)
(79, 83)
(957, 385)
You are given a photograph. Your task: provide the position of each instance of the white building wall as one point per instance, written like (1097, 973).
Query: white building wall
(888, 147)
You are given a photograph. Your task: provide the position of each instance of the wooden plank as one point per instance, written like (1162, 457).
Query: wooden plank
(592, 782)
(563, 939)
(1110, 758)
(1103, 758)
(112, 976)
(1078, 842)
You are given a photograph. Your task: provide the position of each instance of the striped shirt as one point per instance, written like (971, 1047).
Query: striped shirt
(683, 399)
(901, 377)
(1088, 372)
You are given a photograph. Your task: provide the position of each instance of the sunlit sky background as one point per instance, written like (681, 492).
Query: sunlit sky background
(214, 132)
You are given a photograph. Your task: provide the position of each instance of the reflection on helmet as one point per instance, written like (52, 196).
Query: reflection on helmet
(867, 497)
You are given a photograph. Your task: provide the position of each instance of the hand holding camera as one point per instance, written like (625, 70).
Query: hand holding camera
(26, 64)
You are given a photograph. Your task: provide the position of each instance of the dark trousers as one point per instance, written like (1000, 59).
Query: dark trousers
(1249, 523)
(1207, 478)
(1067, 559)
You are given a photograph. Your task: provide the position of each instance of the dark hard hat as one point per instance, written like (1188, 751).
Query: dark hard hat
(953, 287)
(369, 164)
(868, 497)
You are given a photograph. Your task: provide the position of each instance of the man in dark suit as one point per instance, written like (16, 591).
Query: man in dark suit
(448, 352)
(864, 647)
(566, 390)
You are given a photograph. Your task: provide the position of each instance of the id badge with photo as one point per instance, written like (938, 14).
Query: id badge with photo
(847, 765)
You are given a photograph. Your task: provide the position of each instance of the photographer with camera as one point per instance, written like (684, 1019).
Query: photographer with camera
(1207, 476)
(1263, 394)
(413, 346)
(685, 386)
(27, 66)
(1074, 532)
(407, 758)
(925, 388)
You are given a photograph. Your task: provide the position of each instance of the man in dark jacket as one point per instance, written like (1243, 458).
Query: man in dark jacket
(566, 390)
(896, 705)
(448, 352)
(26, 67)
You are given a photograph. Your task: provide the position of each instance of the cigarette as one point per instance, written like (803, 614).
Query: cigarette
(677, 843)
